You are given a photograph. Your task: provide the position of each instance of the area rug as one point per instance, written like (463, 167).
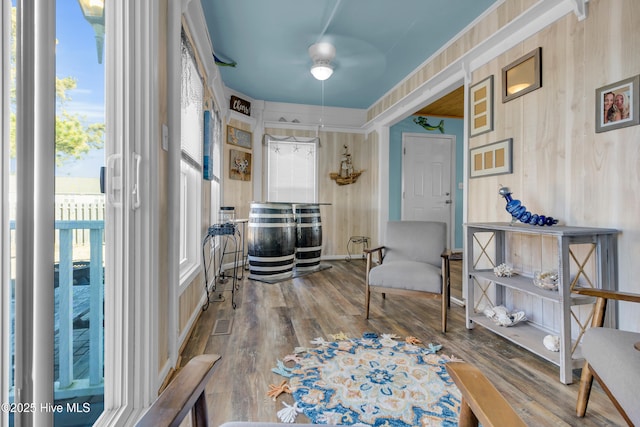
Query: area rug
(375, 381)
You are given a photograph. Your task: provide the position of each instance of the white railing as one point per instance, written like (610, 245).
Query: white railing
(96, 292)
(68, 384)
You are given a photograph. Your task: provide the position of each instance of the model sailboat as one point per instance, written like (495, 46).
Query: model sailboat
(346, 175)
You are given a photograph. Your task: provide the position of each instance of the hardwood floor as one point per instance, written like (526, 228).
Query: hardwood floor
(271, 320)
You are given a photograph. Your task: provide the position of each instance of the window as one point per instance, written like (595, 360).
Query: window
(212, 162)
(292, 171)
(191, 131)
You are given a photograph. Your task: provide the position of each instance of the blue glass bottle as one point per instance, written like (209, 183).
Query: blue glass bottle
(520, 213)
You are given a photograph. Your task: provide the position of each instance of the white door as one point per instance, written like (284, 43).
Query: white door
(427, 167)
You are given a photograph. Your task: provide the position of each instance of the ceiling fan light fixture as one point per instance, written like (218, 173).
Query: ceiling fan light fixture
(321, 70)
(322, 54)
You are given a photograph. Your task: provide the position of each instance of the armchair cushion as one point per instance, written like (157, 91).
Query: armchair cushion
(421, 241)
(411, 275)
(612, 356)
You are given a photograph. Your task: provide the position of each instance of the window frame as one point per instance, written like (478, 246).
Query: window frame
(291, 141)
(190, 169)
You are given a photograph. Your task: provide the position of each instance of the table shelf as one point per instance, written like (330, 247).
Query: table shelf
(525, 284)
(494, 243)
(530, 337)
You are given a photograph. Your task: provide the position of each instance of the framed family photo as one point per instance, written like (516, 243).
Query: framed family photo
(617, 105)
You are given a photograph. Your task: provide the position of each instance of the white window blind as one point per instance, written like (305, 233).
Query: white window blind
(191, 100)
(292, 171)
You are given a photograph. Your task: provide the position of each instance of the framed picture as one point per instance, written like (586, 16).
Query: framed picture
(238, 137)
(239, 165)
(481, 107)
(491, 159)
(522, 76)
(617, 105)
(210, 129)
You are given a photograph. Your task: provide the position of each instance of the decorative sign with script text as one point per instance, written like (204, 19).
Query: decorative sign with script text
(240, 105)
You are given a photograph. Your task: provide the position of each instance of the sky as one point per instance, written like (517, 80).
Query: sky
(77, 56)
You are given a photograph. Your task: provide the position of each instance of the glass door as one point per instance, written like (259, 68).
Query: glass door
(79, 212)
(71, 304)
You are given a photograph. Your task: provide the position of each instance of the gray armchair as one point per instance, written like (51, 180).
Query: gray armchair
(410, 263)
(612, 356)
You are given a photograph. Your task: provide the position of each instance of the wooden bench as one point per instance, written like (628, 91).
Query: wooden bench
(185, 394)
(481, 401)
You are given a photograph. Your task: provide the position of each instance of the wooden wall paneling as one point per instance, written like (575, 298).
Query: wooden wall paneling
(350, 211)
(236, 193)
(562, 167)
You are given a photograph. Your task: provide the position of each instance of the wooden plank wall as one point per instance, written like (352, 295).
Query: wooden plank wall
(236, 193)
(352, 210)
(561, 167)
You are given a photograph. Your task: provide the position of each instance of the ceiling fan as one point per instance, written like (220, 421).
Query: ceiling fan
(322, 54)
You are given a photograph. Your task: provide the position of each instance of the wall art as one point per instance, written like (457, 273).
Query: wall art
(239, 165)
(481, 107)
(491, 159)
(522, 76)
(617, 105)
(238, 137)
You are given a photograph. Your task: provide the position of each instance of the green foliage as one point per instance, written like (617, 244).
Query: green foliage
(74, 138)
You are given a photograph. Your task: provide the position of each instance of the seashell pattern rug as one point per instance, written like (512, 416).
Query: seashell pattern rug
(371, 381)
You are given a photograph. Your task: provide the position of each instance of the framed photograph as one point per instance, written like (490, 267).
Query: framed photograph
(491, 159)
(522, 76)
(238, 137)
(481, 107)
(240, 165)
(617, 105)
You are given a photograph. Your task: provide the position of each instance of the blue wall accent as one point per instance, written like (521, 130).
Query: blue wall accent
(451, 127)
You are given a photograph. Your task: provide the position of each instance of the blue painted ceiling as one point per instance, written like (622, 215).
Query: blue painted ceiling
(378, 43)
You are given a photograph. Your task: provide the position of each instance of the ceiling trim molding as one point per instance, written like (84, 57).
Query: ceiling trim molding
(580, 9)
(539, 16)
(311, 127)
(296, 116)
(441, 84)
(231, 114)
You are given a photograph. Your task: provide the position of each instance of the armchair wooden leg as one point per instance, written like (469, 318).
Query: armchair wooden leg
(467, 417)
(367, 298)
(444, 314)
(586, 381)
(445, 301)
(586, 378)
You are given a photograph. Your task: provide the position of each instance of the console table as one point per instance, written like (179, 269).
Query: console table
(582, 255)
